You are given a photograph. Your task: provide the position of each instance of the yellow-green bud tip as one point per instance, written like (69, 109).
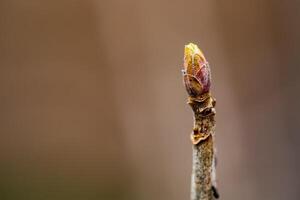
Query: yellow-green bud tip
(192, 49)
(193, 57)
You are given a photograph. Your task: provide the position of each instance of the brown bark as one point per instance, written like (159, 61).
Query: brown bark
(203, 172)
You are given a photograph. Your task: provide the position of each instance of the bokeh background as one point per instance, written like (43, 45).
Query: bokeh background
(93, 106)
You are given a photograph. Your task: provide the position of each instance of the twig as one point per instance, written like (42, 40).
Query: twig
(196, 75)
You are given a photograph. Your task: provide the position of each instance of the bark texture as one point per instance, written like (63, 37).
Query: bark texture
(201, 186)
(203, 173)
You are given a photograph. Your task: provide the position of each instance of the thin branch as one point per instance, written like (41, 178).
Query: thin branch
(197, 79)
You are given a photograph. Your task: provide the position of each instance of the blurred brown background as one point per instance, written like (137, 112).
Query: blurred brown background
(93, 105)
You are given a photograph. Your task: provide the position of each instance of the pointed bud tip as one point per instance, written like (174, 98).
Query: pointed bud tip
(192, 51)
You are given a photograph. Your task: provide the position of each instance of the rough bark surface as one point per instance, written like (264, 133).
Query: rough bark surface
(201, 186)
(203, 177)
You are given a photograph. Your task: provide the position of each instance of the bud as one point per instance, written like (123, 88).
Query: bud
(196, 73)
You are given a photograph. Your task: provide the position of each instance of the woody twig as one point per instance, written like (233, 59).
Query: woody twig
(197, 80)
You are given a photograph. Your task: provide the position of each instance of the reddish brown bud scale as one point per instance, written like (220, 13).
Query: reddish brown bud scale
(196, 71)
